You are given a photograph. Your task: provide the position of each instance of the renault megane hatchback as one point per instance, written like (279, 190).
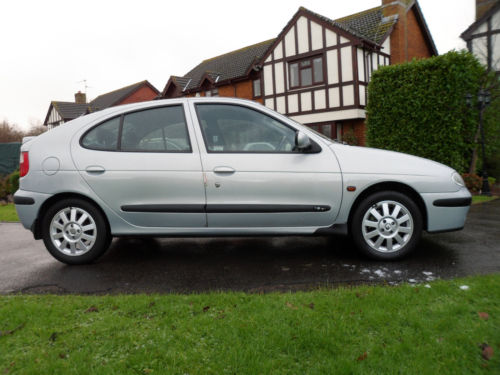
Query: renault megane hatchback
(215, 166)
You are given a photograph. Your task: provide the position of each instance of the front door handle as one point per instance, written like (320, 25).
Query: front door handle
(224, 170)
(95, 169)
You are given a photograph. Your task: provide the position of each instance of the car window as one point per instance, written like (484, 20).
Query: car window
(233, 128)
(103, 137)
(158, 129)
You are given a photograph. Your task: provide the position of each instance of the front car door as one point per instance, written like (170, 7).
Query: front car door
(143, 165)
(254, 175)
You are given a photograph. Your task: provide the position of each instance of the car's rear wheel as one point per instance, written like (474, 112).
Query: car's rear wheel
(386, 225)
(75, 232)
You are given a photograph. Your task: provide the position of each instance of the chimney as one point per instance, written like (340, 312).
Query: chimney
(399, 36)
(392, 7)
(80, 98)
(482, 6)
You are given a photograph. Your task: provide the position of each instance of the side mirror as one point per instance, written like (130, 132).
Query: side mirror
(302, 141)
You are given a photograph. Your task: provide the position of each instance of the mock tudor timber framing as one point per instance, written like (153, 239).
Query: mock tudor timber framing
(343, 90)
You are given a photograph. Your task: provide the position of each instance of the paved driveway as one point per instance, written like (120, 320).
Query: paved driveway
(250, 264)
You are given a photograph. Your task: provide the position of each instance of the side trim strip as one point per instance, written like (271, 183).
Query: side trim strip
(181, 208)
(264, 208)
(24, 200)
(453, 202)
(224, 208)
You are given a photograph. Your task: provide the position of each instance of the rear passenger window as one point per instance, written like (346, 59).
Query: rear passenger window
(153, 130)
(158, 129)
(103, 137)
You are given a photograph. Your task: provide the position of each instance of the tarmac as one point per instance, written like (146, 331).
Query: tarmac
(190, 265)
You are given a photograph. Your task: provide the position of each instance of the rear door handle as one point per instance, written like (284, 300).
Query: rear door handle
(95, 169)
(224, 170)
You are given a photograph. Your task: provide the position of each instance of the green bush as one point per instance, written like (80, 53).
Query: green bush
(420, 108)
(3, 187)
(13, 181)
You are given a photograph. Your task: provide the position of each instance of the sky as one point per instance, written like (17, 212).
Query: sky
(48, 48)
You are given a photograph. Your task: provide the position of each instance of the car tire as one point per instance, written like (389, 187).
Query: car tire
(75, 231)
(386, 225)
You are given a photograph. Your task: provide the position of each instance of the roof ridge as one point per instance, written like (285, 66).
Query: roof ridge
(238, 50)
(354, 31)
(345, 18)
(121, 88)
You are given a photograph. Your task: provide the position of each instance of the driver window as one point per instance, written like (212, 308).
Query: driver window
(232, 128)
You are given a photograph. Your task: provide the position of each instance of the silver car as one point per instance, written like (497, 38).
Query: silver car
(224, 167)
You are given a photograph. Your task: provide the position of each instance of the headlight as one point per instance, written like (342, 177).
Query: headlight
(457, 179)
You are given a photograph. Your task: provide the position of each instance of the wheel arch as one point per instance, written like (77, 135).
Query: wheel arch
(37, 225)
(390, 186)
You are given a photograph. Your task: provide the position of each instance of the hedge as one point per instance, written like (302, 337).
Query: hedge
(420, 108)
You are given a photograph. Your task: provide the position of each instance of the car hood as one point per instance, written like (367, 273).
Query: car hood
(354, 159)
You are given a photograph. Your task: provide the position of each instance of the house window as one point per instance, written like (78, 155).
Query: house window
(212, 92)
(306, 72)
(256, 88)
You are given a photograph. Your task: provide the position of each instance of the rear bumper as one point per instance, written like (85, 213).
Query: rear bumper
(447, 211)
(28, 205)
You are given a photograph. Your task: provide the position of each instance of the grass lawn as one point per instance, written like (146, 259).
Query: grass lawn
(482, 198)
(8, 213)
(359, 330)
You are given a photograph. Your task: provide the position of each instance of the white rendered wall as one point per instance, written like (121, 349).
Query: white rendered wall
(279, 77)
(316, 36)
(332, 66)
(305, 101)
(290, 43)
(319, 99)
(346, 59)
(302, 35)
(331, 38)
(268, 80)
(293, 103)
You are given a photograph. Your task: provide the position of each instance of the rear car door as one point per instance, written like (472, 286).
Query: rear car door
(255, 177)
(143, 165)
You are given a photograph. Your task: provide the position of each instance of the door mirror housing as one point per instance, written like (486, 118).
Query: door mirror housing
(302, 141)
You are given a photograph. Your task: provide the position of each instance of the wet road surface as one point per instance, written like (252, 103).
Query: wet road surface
(247, 264)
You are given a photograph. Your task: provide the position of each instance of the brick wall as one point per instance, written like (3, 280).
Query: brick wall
(144, 94)
(407, 38)
(359, 129)
(243, 90)
(417, 45)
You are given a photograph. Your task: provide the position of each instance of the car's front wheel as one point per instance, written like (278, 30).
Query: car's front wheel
(386, 225)
(75, 232)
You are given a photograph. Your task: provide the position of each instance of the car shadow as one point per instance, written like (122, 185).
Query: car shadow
(252, 264)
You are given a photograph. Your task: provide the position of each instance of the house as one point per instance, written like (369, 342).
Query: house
(61, 112)
(483, 36)
(231, 74)
(316, 70)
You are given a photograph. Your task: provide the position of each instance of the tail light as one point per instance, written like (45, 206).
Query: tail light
(24, 164)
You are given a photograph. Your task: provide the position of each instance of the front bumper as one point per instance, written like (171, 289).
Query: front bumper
(447, 211)
(28, 205)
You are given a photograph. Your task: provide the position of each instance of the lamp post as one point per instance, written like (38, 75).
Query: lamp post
(483, 100)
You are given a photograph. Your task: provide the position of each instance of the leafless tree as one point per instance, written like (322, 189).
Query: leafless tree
(12, 133)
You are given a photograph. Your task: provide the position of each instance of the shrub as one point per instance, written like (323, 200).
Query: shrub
(473, 182)
(4, 188)
(420, 108)
(13, 181)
